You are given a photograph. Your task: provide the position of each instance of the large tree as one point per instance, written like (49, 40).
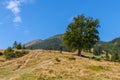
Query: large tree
(82, 33)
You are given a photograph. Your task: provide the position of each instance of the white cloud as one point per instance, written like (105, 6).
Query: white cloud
(17, 19)
(14, 7)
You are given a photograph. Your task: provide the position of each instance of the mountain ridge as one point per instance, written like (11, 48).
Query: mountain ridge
(51, 43)
(55, 43)
(33, 42)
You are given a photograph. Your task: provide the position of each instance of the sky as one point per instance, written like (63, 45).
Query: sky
(27, 20)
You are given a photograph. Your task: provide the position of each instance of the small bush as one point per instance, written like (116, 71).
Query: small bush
(1, 53)
(115, 57)
(58, 60)
(20, 53)
(24, 52)
(95, 58)
(71, 58)
(9, 53)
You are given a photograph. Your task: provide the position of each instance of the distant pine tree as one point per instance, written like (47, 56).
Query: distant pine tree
(15, 45)
(19, 46)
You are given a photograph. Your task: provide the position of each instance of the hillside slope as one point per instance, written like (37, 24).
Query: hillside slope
(55, 43)
(51, 65)
(52, 43)
(111, 46)
(33, 42)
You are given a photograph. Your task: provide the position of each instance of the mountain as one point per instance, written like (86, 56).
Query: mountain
(52, 43)
(116, 41)
(55, 43)
(33, 42)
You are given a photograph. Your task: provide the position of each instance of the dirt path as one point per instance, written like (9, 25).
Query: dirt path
(30, 57)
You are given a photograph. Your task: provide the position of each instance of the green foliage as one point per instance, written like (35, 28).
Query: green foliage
(111, 49)
(15, 44)
(20, 53)
(31, 48)
(57, 59)
(72, 58)
(18, 45)
(96, 58)
(1, 53)
(115, 57)
(97, 50)
(9, 53)
(23, 47)
(115, 51)
(81, 34)
(98, 68)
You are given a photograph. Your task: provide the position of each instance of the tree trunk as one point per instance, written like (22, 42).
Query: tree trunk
(79, 52)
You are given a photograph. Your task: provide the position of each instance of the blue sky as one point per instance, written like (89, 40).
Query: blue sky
(26, 20)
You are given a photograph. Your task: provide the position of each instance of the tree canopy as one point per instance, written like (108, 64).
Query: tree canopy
(17, 45)
(81, 33)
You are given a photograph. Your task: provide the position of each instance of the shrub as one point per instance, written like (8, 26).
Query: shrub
(20, 53)
(96, 58)
(115, 57)
(9, 53)
(97, 50)
(72, 58)
(57, 59)
(1, 53)
(24, 52)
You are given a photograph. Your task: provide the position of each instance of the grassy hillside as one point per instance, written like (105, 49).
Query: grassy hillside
(51, 65)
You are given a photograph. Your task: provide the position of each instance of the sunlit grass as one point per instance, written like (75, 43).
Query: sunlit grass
(39, 65)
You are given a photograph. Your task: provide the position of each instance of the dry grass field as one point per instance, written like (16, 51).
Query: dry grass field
(51, 65)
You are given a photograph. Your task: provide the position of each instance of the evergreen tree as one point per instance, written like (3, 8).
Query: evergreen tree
(19, 46)
(15, 44)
